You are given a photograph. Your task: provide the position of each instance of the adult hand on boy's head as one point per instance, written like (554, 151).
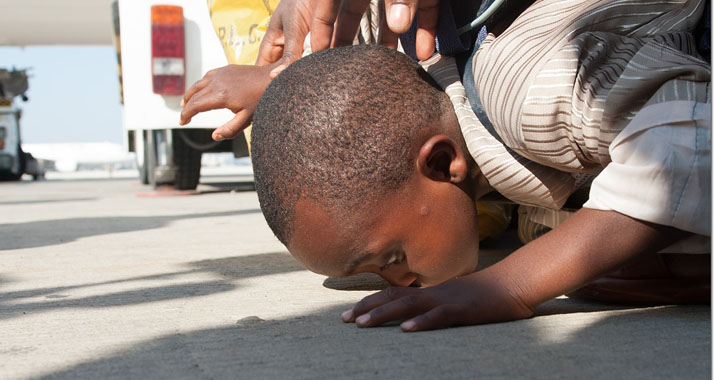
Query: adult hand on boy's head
(237, 88)
(285, 36)
(400, 15)
(467, 300)
(335, 23)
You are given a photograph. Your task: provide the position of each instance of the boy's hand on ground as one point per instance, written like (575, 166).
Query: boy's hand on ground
(235, 87)
(468, 300)
(588, 245)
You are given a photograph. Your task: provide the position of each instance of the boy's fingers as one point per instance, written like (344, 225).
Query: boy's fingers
(213, 72)
(348, 20)
(440, 317)
(378, 299)
(187, 113)
(233, 127)
(401, 308)
(196, 87)
(200, 102)
(322, 24)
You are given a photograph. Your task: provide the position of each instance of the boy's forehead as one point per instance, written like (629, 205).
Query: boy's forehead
(324, 241)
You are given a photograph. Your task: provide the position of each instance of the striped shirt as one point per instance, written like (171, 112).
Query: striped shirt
(564, 80)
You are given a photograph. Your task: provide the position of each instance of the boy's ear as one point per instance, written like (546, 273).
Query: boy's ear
(440, 159)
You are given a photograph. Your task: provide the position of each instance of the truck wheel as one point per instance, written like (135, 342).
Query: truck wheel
(21, 169)
(186, 160)
(150, 157)
(140, 146)
(141, 154)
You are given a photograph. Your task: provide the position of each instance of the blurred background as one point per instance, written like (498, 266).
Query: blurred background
(102, 84)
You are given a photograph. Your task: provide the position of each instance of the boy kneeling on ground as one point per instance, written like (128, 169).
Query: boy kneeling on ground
(363, 164)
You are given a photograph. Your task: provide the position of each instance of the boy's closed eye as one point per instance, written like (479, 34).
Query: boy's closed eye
(394, 258)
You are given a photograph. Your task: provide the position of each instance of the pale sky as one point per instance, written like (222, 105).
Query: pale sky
(74, 93)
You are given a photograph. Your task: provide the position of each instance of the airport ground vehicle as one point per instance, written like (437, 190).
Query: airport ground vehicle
(163, 47)
(13, 161)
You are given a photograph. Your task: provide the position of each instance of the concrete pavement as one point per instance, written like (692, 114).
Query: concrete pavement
(101, 279)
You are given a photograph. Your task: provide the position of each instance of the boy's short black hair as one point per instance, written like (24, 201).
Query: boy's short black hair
(338, 127)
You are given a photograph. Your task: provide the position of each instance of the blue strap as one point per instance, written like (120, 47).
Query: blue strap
(470, 87)
(448, 40)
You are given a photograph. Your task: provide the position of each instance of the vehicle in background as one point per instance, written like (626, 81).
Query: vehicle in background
(161, 50)
(13, 161)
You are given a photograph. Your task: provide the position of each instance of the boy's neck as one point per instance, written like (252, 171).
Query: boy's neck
(482, 187)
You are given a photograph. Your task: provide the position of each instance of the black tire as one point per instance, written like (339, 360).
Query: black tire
(142, 166)
(10, 176)
(150, 158)
(186, 160)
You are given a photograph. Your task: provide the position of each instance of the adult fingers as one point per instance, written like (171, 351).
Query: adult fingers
(322, 24)
(440, 317)
(427, 19)
(386, 36)
(271, 48)
(348, 20)
(233, 127)
(295, 31)
(425, 44)
(400, 14)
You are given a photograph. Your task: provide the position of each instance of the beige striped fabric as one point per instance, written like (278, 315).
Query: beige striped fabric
(564, 79)
(516, 178)
(568, 75)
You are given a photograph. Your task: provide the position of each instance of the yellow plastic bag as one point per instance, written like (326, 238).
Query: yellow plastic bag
(493, 219)
(241, 25)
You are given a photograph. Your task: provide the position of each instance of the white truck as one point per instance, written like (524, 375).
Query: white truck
(13, 161)
(163, 47)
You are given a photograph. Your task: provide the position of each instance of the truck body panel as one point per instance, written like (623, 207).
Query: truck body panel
(143, 109)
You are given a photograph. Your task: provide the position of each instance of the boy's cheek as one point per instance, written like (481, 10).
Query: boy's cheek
(457, 260)
(467, 254)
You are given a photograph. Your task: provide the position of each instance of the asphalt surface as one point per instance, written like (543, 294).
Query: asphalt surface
(103, 279)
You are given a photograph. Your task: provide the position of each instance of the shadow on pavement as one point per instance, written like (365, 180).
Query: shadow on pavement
(58, 231)
(228, 270)
(361, 281)
(36, 201)
(211, 186)
(659, 343)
